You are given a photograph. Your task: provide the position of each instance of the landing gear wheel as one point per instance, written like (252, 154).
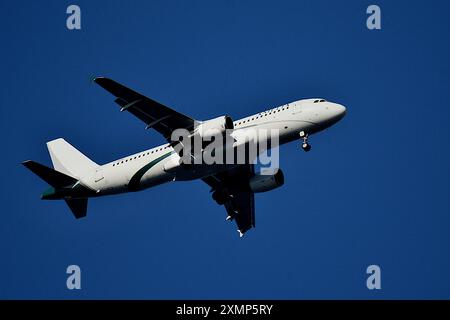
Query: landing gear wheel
(306, 146)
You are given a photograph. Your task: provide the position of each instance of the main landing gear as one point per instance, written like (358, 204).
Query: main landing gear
(305, 145)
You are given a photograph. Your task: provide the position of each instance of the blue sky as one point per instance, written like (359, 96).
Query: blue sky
(374, 189)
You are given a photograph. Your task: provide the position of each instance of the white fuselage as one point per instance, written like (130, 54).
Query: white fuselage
(150, 167)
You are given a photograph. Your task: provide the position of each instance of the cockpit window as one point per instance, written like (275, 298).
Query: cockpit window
(319, 100)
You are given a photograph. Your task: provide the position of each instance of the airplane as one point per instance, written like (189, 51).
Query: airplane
(75, 178)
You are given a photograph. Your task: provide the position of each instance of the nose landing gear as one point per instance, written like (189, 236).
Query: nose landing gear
(305, 145)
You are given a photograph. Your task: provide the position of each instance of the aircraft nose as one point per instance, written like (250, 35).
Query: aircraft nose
(339, 111)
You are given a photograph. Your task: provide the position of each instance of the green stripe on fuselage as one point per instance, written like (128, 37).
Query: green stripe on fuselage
(134, 184)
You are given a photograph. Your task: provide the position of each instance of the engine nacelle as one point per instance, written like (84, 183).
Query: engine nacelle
(263, 183)
(210, 128)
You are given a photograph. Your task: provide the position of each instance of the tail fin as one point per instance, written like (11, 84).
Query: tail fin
(52, 177)
(68, 160)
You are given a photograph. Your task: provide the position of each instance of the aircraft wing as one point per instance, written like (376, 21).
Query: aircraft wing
(240, 200)
(155, 115)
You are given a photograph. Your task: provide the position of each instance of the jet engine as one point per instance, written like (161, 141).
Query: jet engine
(263, 183)
(210, 128)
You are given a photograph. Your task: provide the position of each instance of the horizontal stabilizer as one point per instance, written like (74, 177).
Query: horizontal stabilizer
(78, 207)
(54, 178)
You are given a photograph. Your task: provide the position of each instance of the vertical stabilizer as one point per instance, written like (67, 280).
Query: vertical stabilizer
(68, 160)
